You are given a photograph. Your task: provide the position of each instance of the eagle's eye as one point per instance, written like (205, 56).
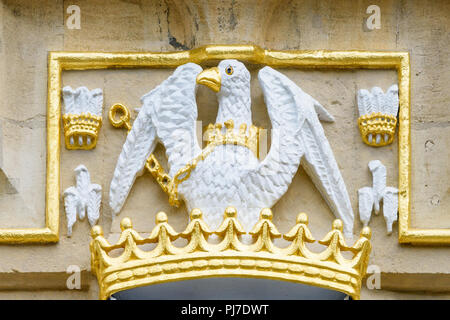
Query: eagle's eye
(229, 70)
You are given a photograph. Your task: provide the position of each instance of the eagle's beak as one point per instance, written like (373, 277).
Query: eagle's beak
(210, 78)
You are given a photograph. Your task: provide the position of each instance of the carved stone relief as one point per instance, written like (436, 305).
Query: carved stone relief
(227, 172)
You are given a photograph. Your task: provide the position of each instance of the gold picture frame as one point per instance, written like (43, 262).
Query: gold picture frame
(61, 61)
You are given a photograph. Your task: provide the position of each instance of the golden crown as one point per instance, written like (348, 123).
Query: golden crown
(81, 130)
(199, 258)
(215, 136)
(377, 123)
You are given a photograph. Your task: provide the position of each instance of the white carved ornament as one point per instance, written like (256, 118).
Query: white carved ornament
(82, 100)
(371, 197)
(231, 174)
(81, 199)
(376, 101)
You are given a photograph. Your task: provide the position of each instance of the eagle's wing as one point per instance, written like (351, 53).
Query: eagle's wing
(71, 199)
(166, 110)
(297, 132)
(270, 180)
(93, 203)
(174, 115)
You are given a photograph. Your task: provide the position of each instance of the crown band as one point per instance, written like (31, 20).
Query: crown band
(215, 136)
(81, 130)
(377, 123)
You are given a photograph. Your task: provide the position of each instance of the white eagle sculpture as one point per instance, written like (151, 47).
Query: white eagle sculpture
(231, 175)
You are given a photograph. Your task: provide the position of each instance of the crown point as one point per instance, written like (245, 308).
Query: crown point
(209, 132)
(230, 212)
(125, 224)
(266, 213)
(366, 232)
(302, 218)
(196, 214)
(338, 225)
(96, 231)
(229, 124)
(161, 217)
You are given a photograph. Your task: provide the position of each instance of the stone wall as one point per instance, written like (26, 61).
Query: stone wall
(29, 29)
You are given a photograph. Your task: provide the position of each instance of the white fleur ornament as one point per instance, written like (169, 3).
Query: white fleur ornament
(82, 117)
(371, 197)
(82, 198)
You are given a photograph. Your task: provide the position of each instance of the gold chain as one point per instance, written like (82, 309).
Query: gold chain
(152, 164)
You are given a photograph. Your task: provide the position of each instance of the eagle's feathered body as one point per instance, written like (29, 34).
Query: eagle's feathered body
(219, 181)
(231, 174)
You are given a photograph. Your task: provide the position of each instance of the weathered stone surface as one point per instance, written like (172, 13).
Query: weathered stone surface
(29, 29)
